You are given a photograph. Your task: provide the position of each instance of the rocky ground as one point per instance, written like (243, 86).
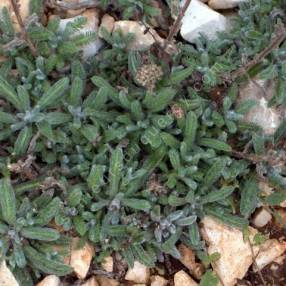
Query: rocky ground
(242, 261)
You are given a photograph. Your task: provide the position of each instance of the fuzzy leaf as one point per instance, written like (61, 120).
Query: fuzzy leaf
(190, 129)
(46, 214)
(40, 233)
(41, 262)
(186, 221)
(80, 225)
(249, 197)
(95, 179)
(115, 169)
(7, 92)
(214, 172)
(137, 204)
(217, 195)
(209, 279)
(180, 75)
(159, 101)
(53, 94)
(23, 140)
(215, 144)
(7, 201)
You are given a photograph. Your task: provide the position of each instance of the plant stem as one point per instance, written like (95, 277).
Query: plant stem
(177, 24)
(280, 35)
(25, 36)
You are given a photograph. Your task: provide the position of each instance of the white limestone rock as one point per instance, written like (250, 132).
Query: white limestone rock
(6, 276)
(51, 280)
(235, 253)
(142, 40)
(138, 274)
(200, 18)
(182, 278)
(107, 22)
(224, 4)
(157, 280)
(268, 118)
(261, 218)
(81, 258)
(188, 258)
(269, 251)
(92, 17)
(107, 264)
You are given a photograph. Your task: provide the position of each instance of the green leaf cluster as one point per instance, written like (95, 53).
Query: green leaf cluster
(87, 150)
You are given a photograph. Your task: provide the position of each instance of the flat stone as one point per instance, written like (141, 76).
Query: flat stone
(6, 276)
(157, 280)
(81, 258)
(201, 19)
(107, 22)
(268, 252)
(138, 274)
(142, 40)
(268, 118)
(104, 281)
(224, 4)
(235, 253)
(261, 218)
(188, 258)
(181, 278)
(51, 280)
(107, 264)
(92, 16)
(90, 282)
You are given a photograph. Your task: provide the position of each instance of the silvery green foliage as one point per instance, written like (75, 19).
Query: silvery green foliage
(24, 227)
(133, 171)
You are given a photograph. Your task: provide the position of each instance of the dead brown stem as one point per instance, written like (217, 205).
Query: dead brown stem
(25, 36)
(279, 37)
(255, 264)
(177, 24)
(252, 158)
(33, 143)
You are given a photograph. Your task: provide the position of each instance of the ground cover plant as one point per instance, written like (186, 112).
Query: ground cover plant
(127, 150)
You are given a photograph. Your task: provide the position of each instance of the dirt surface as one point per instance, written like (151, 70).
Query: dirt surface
(273, 274)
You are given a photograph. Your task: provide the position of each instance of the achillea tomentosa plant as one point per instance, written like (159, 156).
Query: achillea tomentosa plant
(130, 169)
(24, 227)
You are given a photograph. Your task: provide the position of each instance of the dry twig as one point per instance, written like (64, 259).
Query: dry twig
(177, 24)
(25, 36)
(15, 43)
(249, 157)
(255, 264)
(280, 36)
(32, 144)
